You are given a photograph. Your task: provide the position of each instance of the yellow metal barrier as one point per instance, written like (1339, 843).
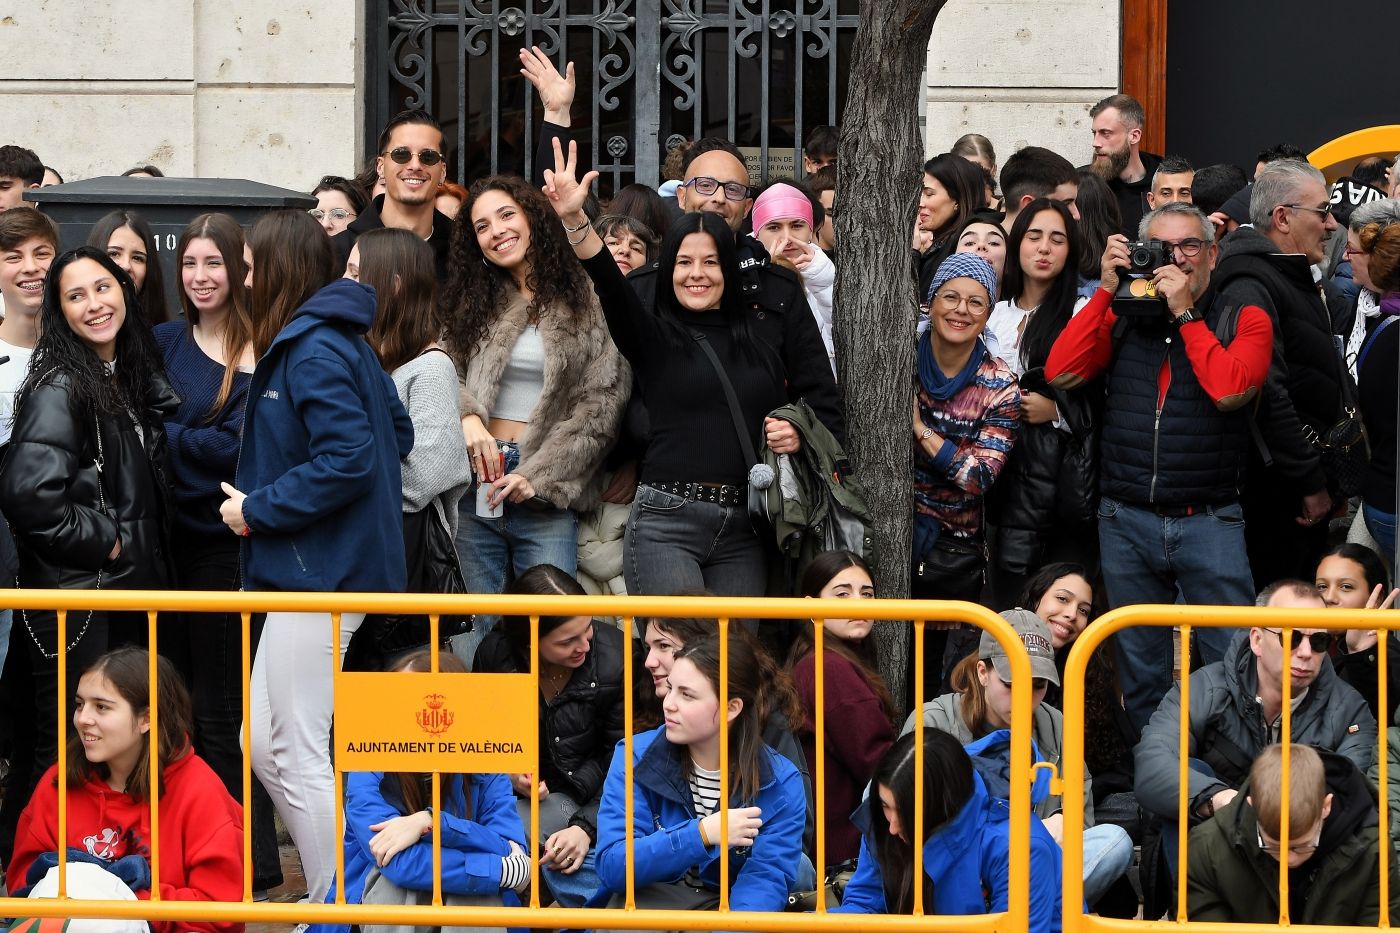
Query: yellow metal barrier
(1188, 618)
(629, 609)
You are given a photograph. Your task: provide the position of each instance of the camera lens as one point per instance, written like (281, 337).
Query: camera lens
(1141, 258)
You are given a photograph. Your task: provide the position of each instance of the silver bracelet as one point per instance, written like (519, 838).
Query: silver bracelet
(571, 241)
(572, 230)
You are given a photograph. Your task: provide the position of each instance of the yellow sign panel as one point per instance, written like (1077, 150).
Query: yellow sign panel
(455, 723)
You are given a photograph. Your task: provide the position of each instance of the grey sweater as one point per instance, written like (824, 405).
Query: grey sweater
(438, 466)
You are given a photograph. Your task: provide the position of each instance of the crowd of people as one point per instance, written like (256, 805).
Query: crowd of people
(1131, 382)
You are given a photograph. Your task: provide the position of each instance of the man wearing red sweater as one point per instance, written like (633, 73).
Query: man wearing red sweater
(1176, 432)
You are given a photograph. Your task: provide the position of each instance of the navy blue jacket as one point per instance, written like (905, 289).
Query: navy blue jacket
(322, 439)
(666, 830)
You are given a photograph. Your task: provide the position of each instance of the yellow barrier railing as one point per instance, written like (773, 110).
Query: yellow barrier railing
(1188, 618)
(629, 609)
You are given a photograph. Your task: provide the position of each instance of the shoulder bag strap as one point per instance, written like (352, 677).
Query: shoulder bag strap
(735, 412)
(1361, 357)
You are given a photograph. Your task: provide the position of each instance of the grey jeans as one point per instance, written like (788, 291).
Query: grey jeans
(675, 545)
(380, 890)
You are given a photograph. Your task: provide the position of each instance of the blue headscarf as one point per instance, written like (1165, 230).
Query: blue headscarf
(936, 383)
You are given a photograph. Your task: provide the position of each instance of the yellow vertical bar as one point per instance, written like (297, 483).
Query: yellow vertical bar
(630, 895)
(61, 646)
(335, 768)
(916, 832)
(437, 831)
(1383, 709)
(1183, 755)
(1018, 900)
(153, 739)
(1286, 762)
(724, 766)
(246, 621)
(535, 842)
(819, 728)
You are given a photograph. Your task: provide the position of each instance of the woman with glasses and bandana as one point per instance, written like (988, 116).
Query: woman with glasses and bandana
(542, 386)
(689, 528)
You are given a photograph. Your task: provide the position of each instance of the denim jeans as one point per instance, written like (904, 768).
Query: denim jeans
(570, 890)
(1381, 525)
(1108, 852)
(494, 551)
(675, 545)
(1148, 558)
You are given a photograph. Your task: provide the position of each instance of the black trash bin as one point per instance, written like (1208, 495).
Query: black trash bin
(168, 204)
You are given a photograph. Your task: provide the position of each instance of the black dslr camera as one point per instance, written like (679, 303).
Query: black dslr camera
(1136, 296)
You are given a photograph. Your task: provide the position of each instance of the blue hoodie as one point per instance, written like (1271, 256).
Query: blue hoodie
(322, 439)
(967, 858)
(472, 849)
(666, 830)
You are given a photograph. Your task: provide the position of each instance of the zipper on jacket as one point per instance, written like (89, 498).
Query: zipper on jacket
(1156, 429)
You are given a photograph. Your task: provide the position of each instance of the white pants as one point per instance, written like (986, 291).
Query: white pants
(292, 707)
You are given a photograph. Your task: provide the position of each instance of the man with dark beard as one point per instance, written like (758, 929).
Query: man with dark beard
(1117, 129)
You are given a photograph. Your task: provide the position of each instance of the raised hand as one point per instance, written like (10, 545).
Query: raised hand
(566, 192)
(556, 91)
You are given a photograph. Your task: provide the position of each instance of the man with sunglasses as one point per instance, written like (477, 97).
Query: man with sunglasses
(1288, 496)
(1174, 440)
(1236, 711)
(412, 163)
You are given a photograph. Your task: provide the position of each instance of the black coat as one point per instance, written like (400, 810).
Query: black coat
(49, 491)
(581, 726)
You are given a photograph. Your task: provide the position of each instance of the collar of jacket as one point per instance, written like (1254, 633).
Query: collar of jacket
(662, 770)
(1242, 676)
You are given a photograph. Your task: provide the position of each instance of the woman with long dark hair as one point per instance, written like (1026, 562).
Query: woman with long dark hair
(581, 708)
(316, 502)
(127, 239)
(1352, 576)
(83, 480)
(952, 191)
(965, 837)
(858, 706)
(389, 823)
(1099, 219)
(676, 784)
(1043, 510)
(689, 528)
(542, 386)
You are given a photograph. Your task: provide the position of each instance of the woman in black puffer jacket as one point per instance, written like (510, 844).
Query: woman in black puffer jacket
(581, 722)
(83, 483)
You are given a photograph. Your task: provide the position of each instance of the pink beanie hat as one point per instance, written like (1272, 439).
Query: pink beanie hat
(781, 202)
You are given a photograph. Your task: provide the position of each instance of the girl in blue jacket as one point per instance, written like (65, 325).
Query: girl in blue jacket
(317, 504)
(966, 835)
(676, 791)
(389, 825)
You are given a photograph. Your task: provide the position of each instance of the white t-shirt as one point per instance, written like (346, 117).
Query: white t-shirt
(12, 373)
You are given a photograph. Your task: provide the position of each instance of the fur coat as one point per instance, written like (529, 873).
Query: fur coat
(586, 385)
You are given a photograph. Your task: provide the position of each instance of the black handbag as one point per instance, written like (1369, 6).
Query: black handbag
(951, 566)
(1342, 448)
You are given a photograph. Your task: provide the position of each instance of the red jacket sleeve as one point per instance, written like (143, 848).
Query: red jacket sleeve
(37, 831)
(1232, 375)
(1085, 346)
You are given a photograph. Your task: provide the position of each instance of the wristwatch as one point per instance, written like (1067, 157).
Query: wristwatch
(1187, 316)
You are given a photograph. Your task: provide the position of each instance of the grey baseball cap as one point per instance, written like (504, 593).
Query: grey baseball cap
(1034, 634)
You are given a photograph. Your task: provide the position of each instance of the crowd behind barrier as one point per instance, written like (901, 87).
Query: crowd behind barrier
(1133, 384)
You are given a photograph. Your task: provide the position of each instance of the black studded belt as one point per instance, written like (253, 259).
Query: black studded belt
(715, 493)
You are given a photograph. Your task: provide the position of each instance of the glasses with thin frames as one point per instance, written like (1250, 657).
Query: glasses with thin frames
(1297, 848)
(404, 155)
(1320, 211)
(1189, 247)
(705, 186)
(335, 213)
(1320, 642)
(976, 304)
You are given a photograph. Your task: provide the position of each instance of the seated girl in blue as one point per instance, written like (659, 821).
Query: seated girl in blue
(676, 820)
(966, 832)
(389, 842)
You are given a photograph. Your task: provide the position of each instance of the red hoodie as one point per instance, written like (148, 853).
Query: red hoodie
(201, 835)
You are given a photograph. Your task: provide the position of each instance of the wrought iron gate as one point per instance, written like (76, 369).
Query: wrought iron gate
(650, 73)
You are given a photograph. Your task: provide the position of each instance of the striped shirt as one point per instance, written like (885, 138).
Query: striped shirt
(704, 790)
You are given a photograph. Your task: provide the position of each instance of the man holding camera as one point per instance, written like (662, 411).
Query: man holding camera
(1180, 366)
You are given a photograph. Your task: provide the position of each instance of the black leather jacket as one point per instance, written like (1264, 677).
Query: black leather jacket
(49, 491)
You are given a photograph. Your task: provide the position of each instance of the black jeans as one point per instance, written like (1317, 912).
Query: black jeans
(207, 649)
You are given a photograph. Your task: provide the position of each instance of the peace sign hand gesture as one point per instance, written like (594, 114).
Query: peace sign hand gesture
(563, 189)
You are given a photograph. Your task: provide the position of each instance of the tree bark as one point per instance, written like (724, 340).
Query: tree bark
(879, 168)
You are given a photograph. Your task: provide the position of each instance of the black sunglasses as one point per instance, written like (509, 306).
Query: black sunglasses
(403, 155)
(1320, 642)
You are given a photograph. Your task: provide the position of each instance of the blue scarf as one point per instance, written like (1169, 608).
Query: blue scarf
(936, 384)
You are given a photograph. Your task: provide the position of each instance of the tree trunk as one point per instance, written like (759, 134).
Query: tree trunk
(879, 168)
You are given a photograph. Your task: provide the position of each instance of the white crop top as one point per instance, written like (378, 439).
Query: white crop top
(522, 380)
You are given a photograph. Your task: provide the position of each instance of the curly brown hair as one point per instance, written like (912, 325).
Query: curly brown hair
(477, 288)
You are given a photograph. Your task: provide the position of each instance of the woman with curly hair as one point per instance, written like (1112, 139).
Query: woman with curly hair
(83, 480)
(542, 386)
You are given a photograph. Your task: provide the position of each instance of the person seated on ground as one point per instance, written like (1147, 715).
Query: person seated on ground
(676, 797)
(1333, 847)
(1236, 710)
(858, 707)
(966, 836)
(1352, 576)
(982, 704)
(778, 704)
(109, 791)
(389, 822)
(581, 719)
